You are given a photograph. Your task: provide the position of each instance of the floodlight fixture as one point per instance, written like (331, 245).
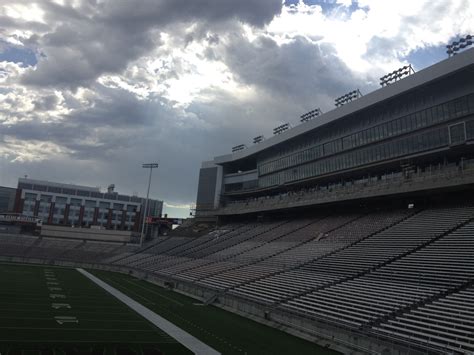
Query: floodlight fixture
(258, 139)
(280, 129)
(350, 96)
(396, 75)
(310, 115)
(238, 147)
(456, 46)
(150, 165)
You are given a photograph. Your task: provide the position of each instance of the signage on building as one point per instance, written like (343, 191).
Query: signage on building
(157, 220)
(20, 219)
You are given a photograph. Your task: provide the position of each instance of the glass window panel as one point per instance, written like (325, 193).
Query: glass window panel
(90, 203)
(470, 129)
(429, 116)
(46, 198)
(440, 113)
(452, 110)
(457, 133)
(75, 202)
(104, 205)
(470, 102)
(434, 114)
(346, 142)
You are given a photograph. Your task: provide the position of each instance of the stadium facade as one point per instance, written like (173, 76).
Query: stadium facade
(67, 204)
(401, 138)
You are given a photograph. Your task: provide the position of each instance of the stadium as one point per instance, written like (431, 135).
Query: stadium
(351, 232)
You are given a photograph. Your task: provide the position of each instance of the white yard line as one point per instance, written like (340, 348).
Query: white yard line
(190, 342)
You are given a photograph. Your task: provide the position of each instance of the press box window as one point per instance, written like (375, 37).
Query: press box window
(457, 133)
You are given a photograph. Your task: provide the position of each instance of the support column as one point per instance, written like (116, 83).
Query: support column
(109, 218)
(37, 206)
(96, 215)
(136, 226)
(66, 214)
(51, 213)
(19, 202)
(124, 219)
(81, 215)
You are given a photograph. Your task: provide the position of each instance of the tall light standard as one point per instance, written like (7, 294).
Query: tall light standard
(150, 166)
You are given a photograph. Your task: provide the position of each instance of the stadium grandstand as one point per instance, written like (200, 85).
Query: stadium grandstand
(354, 229)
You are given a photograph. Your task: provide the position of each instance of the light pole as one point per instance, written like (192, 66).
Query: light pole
(150, 166)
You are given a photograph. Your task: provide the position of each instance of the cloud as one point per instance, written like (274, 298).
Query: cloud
(120, 83)
(186, 207)
(377, 35)
(29, 151)
(298, 73)
(87, 41)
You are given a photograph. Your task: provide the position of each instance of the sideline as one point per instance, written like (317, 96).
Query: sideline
(186, 339)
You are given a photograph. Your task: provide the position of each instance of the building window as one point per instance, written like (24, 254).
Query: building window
(457, 133)
(76, 202)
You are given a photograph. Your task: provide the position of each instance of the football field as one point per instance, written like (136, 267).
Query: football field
(53, 310)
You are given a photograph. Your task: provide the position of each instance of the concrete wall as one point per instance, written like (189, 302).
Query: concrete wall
(208, 181)
(86, 233)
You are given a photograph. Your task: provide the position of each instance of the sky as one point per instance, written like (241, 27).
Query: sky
(91, 89)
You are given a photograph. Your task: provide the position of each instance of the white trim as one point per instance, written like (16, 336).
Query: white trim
(186, 339)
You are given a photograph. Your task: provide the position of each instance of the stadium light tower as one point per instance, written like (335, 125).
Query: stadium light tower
(282, 128)
(456, 46)
(396, 75)
(238, 148)
(150, 166)
(310, 115)
(344, 99)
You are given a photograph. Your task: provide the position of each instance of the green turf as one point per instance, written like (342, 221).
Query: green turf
(27, 316)
(224, 331)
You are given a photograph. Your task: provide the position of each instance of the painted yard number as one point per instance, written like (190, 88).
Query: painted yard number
(60, 305)
(65, 319)
(53, 286)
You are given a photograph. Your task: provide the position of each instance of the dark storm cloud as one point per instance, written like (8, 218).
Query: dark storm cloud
(88, 40)
(115, 109)
(19, 24)
(59, 133)
(46, 103)
(152, 12)
(299, 71)
(114, 120)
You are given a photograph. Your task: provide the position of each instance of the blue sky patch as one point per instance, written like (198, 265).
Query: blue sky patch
(328, 5)
(425, 57)
(17, 54)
